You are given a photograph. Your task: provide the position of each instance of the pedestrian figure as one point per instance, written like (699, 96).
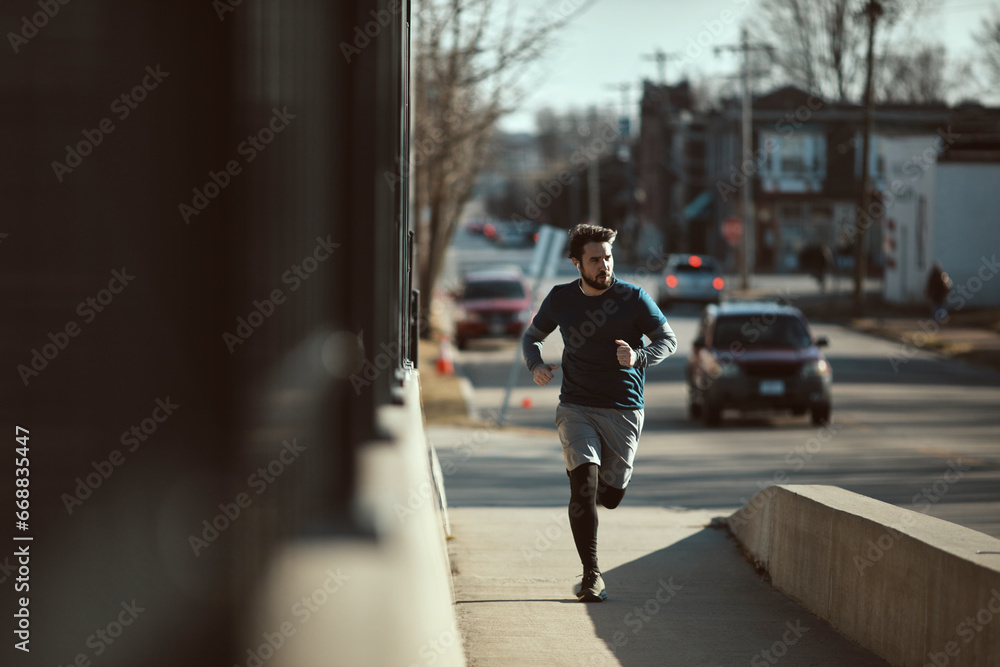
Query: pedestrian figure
(938, 288)
(826, 265)
(817, 260)
(600, 412)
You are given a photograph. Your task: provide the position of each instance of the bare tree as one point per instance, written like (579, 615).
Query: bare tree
(988, 38)
(819, 45)
(917, 77)
(468, 63)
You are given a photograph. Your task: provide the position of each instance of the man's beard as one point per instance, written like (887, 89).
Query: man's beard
(597, 284)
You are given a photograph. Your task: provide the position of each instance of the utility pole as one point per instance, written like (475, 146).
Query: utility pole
(747, 135)
(594, 183)
(749, 231)
(872, 11)
(664, 116)
(594, 178)
(624, 88)
(661, 57)
(594, 190)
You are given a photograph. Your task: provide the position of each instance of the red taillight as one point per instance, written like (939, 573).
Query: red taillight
(694, 260)
(718, 283)
(489, 230)
(671, 281)
(535, 237)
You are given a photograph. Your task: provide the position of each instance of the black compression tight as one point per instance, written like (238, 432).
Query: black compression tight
(584, 493)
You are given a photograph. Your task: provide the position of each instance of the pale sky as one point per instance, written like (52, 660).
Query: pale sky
(604, 47)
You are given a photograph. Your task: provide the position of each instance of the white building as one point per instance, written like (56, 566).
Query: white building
(938, 211)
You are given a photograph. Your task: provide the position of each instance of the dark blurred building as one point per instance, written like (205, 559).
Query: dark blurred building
(203, 257)
(671, 158)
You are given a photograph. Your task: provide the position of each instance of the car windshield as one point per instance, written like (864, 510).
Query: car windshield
(761, 330)
(494, 289)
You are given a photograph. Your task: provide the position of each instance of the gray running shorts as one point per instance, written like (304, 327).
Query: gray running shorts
(605, 436)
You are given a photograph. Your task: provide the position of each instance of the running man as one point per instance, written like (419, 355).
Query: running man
(600, 413)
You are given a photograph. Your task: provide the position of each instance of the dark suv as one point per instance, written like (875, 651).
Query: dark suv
(492, 303)
(757, 355)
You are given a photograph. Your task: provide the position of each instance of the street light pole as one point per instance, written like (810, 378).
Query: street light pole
(872, 11)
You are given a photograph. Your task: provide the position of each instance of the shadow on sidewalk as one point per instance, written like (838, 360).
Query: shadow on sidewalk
(698, 602)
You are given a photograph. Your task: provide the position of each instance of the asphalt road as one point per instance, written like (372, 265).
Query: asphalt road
(922, 435)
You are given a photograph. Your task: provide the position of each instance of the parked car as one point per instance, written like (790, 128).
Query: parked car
(491, 303)
(692, 278)
(757, 355)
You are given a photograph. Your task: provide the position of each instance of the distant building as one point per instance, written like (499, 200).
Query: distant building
(805, 170)
(506, 178)
(942, 204)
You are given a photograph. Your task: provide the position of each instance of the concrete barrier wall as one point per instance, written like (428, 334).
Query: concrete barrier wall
(382, 596)
(911, 588)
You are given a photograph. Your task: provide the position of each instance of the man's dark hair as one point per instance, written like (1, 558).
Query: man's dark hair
(583, 234)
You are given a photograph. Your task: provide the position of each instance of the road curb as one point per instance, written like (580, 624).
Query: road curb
(911, 588)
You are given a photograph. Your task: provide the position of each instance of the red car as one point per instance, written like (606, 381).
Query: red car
(492, 303)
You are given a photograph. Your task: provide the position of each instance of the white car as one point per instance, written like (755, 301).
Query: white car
(690, 278)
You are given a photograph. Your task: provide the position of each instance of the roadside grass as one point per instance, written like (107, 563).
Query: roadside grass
(441, 395)
(970, 335)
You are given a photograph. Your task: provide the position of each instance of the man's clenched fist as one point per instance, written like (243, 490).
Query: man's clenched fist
(626, 355)
(543, 374)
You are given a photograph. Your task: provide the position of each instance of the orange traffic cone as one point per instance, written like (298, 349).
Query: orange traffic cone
(445, 364)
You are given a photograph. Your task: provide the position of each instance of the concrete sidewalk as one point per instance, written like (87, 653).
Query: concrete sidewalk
(679, 592)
